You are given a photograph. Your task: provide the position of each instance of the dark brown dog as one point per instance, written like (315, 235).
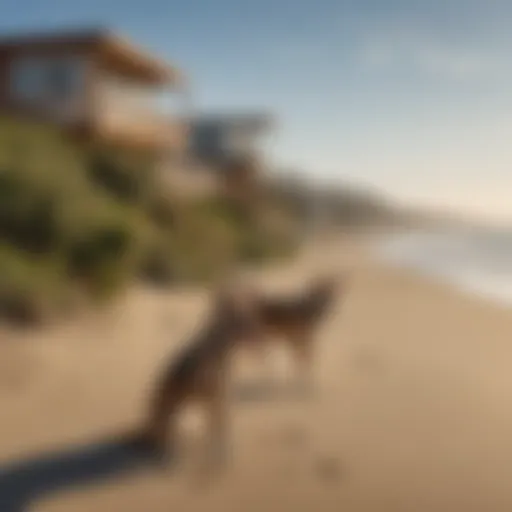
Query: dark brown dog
(295, 320)
(201, 373)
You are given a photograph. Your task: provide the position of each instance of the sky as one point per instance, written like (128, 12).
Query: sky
(412, 98)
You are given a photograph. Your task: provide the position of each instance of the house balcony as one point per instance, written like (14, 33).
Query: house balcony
(144, 130)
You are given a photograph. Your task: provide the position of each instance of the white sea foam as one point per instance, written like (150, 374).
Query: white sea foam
(477, 262)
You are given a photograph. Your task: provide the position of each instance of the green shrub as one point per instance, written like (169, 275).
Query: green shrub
(50, 206)
(77, 219)
(30, 288)
(161, 209)
(218, 207)
(156, 263)
(201, 244)
(127, 176)
(39, 173)
(27, 212)
(253, 240)
(103, 251)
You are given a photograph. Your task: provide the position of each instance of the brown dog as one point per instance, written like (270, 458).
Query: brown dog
(201, 373)
(295, 319)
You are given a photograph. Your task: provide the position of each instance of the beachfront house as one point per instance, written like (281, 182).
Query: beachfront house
(216, 139)
(231, 146)
(93, 83)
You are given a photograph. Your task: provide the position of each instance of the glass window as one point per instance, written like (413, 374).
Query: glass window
(27, 77)
(41, 79)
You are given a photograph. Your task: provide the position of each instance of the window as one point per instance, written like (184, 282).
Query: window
(59, 80)
(40, 79)
(26, 80)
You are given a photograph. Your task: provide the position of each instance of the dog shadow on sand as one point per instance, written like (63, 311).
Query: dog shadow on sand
(26, 481)
(23, 482)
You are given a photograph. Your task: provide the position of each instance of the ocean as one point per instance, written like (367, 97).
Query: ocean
(478, 262)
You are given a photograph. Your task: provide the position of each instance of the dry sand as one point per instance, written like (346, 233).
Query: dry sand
(413, 411)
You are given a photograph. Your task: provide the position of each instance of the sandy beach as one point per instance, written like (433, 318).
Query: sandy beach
(412, 411)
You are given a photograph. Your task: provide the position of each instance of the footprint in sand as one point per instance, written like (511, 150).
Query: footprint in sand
(328, 469)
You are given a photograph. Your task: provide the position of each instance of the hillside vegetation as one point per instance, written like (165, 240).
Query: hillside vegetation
(78, 224)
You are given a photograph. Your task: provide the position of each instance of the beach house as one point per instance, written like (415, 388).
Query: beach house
(93, 83)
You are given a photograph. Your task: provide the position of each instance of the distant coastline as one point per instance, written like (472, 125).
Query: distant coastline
(356, 208)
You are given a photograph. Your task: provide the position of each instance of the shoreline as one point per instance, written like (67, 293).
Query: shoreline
(478, 280)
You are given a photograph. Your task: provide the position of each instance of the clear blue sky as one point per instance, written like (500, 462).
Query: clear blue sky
(411, 97)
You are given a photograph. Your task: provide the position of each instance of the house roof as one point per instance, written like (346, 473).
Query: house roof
(115, 49)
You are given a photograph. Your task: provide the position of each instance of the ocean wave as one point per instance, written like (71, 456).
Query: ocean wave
(479, 263)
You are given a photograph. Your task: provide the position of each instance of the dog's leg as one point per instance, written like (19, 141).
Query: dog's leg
(266, 361)
(219, 438)
(161, 430)
(304, 356)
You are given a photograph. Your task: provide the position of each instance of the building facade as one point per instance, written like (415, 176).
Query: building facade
(216, 140)
(93, 83)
